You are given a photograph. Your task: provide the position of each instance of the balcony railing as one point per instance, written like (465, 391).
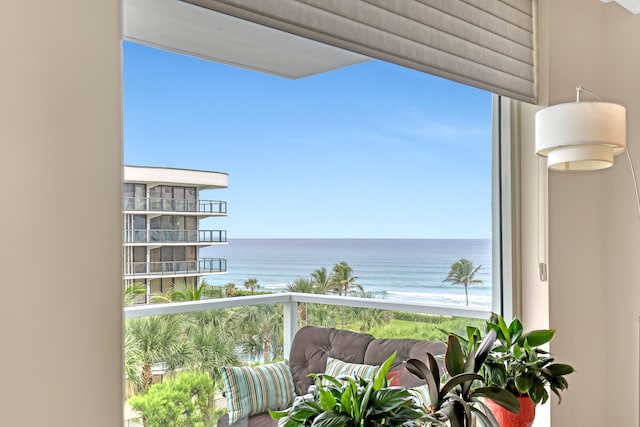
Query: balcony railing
(290, 301)
(288, 304)
(175, 236)
(148, 204)
(172, 268)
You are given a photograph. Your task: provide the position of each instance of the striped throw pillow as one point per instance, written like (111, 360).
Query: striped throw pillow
(421, 396)
(252, 390)
(337, 368)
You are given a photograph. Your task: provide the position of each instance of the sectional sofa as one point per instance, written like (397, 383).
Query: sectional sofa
(250, 390)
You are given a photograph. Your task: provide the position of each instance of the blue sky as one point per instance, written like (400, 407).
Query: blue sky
(373, 150)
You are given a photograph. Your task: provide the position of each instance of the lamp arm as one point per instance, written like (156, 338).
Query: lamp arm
(635, 182)
(581, 89)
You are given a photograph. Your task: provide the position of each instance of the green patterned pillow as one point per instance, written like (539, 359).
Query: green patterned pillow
(337, 368)
(252, 390)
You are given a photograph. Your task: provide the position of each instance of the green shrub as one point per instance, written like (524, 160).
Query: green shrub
(179, 402)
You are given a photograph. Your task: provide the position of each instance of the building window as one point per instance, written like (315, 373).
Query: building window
(135, 197)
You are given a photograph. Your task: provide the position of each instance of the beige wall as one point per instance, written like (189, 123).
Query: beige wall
(60, 168)
(594, 229)
(60, 165)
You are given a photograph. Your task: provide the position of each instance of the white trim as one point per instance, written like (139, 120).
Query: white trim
(172, 176)
(190, 30)
(290, 302)
(506, 207)
(285, 297)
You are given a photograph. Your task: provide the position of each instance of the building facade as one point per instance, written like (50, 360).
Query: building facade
(162, 236)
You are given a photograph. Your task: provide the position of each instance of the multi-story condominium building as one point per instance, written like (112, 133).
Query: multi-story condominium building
(162, 235)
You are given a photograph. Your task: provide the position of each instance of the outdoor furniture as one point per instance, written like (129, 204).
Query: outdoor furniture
(312, 346)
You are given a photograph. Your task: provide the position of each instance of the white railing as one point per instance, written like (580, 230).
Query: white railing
(290, 302)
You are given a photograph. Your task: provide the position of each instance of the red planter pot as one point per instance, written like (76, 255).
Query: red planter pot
(508, 419)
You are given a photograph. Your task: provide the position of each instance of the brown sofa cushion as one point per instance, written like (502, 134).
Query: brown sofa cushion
(311, 346)
(406, 348)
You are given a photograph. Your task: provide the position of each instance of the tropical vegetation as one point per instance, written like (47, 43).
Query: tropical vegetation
(460, 401)
(252, 285)
(517, 362)
(177, 402)
(463, 272)
(353, 402)
(157, 347)
(181, 291)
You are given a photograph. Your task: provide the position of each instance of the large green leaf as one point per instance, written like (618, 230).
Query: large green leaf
(484, 348)
(486, 419)
(538, 393)
(524, 382)
(418, 368)
(380, 378)
(558, 369)
(469, 368)
(451, 411)
(364, 403)
(454, 357)
(387, 399)
(345, 400)
(558, 382)
(278, 414)
(459, 379)
(433, 367)
(327, 399)
(320, 378)
(472, 331)
(499, 395)
(289, 422)
(515, 329)
(354, 399)
(504, 330)
(538, 337)
(495, 374)
(304, 410)
(462, 410)
(332, 419)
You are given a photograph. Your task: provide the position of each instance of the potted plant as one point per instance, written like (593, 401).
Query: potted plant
(517, 364)
(350, 402)
(461, 399)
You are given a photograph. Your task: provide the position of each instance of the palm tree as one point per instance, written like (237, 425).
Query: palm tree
(262, 327)
(321, 279)
(230, 289)
(131, 293)
(158, 339)
(252, 285)
(343, 282)
(323, 315)
(133, 359)
(180, 291)
(219, 318)
(463, 272)
(368, 318)
(304, 285)
(211, 349)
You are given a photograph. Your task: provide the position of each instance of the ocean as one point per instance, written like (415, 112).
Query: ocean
(395, 269)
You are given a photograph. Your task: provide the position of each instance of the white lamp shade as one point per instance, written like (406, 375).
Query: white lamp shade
(581, 135)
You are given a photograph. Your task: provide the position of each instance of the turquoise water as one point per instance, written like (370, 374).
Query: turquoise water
(398, 269)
